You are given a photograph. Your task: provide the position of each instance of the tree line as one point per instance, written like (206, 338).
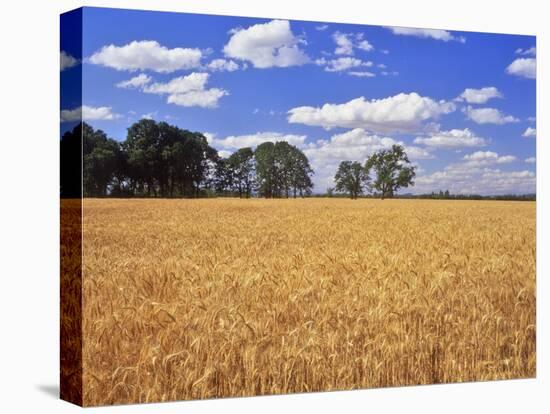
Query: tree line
(161, 160)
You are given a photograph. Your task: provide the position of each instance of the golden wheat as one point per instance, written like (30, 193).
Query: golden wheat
(186, 299)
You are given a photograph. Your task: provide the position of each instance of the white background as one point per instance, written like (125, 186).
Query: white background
(29, 263)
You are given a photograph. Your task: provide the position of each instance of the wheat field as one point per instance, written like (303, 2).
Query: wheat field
(190, 299)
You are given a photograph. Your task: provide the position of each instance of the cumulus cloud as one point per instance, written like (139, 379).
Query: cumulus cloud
(146, 55)
(483, 158)
(346, 42)
(88, 113)
(149, 115)
(181, 84)
(253, 140)
(221, 65)
(67, 61)
(399, 113)
(452, 139)
(532, 51)
(530, 160)
(523, 67)
(462, 178)
(136, 82)
(204, 98)
(342, 63)
(436, 34)
(188, 91)
(266, 45)
(488, 116)
(479, 96)
(362, 74)
(530, 132)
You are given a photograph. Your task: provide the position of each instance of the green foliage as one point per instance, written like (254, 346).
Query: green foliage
(351, 178)
(282, 170)
(241, 167)
(393, 170)
(101, 158)
(166, 160)
(162, 160)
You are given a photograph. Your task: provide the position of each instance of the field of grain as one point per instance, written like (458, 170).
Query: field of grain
(186, 299)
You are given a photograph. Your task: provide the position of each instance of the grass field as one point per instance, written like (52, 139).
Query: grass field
(187, 299)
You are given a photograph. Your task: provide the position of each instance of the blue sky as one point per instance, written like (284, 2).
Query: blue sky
(462, 103)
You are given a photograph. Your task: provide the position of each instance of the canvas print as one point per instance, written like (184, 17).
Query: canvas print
(255, 206)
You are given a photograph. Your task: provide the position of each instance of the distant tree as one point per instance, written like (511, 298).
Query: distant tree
(266, 169)
(300, 173)
(222, 176)
(351, 178)
(282, 169)
(330, 192)
(166, 160)
(101, 159)
(143, 149)
(393, 170)
(242, 167)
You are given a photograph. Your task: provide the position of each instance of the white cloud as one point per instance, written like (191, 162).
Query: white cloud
(399, 113)
(138, 81)
(524, 67)
(221, 65)
(488, 116)
(530, 132)
(146, 55)
(253, 140)
(67, 61)
(204, 98)
(149, 115)
(181, 84)
(462, 178)
(531, 160)
(266, 45)
(364, 45)
(532, 51)
(188, 91)
(345, 42)
(479, 96)
(344, 46)
(483, 158)
(321, 27)
(452, 139)
(342, 63)
(362, 74)
(427, 33)
(88, 113)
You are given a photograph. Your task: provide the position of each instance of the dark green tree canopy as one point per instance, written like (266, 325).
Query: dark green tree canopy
(161, 160)
(102, 157)
(392, 169)
(242, 167)
(282, 170)
(351, 178)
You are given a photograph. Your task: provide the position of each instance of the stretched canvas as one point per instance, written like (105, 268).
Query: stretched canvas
(255, 206)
